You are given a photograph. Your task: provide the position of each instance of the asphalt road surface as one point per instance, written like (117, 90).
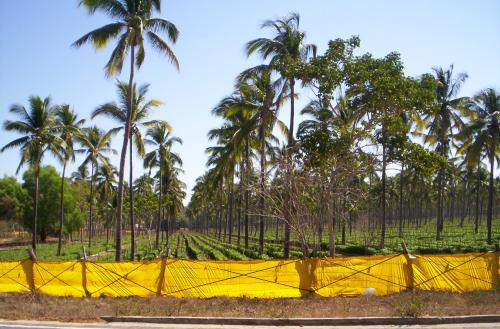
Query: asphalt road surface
(59, 325)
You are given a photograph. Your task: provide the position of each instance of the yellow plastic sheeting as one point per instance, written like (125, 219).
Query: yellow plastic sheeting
(16, 276)
(257, 278)
(59, 278)
(353, 276)
(456, 273)
(264, 279)
(122, 279)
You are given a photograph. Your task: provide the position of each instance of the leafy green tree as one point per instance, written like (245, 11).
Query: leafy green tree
(49, 202)
(40, 133)
(70, 129)
(140, 111)
(379, 88)
(13, 199)
(133, 22)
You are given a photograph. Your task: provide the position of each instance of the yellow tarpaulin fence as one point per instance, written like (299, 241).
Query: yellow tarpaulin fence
(258, 278)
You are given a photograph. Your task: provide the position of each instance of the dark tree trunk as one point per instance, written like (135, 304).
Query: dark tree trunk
(61, 207)
(35, 207)
(230, 212)
(491, 190)
(247, 168)
(288, 210)
(90, 203)
(476, 221)
(121, 174)
(262, 182)
(131, 209)
(160, 202)
(400, 231)
(382, 232)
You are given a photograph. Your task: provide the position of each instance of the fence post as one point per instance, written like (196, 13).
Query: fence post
(409, 266)
(30, 270)
(83, 261)
(161, 276)
(495, 277)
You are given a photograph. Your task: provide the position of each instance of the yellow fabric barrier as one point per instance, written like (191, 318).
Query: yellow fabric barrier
(380, 275)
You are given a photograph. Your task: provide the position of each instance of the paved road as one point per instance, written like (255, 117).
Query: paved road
(58, 325)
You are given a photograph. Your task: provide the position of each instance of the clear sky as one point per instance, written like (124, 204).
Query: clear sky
(36, 57)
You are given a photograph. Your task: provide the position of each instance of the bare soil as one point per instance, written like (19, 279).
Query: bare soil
(41, 307)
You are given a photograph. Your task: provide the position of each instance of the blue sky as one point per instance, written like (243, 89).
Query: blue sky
(36, 57)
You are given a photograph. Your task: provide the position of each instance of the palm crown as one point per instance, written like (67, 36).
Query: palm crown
(133, 22)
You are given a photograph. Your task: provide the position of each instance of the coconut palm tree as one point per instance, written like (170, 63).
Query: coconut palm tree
(159, 136)
(140, 111)
(40, 133)
(106, 187)
(133, 22)
(286, 50)
(484, 132)
(96, 145)
(263, 97)
(70, 128)
(442, 121)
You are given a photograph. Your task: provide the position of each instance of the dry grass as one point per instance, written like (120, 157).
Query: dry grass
(41, 307)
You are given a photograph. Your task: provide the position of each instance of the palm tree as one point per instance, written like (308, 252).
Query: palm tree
(484, 129)
(286, 50)
(96, 144)
(106, 186)
(162, 156)
(132, 23)
(442, 121)
(40, 133)
(70, 126)
(263, 96)
(140, 111)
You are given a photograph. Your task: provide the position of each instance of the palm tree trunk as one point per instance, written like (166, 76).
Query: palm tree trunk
(262, 183)
(131, 209)
(219, 203)
(35, 206)
(91, 202)
(121, 174)
(240, 203)
(61, 220)
(382, 232)
(247, 168)
(288, 214)
(160, 202)
(400, 231)
(491, 189)
(331, 228)
(476, 221)
(230, 212)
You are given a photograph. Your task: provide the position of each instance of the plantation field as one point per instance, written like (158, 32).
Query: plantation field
(195, 245)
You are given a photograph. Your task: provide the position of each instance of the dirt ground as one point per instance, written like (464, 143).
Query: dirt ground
(40, 307)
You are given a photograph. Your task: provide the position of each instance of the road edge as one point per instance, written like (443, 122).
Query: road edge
(487, 318)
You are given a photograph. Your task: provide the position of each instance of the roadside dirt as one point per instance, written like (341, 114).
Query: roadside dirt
(40, 307)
